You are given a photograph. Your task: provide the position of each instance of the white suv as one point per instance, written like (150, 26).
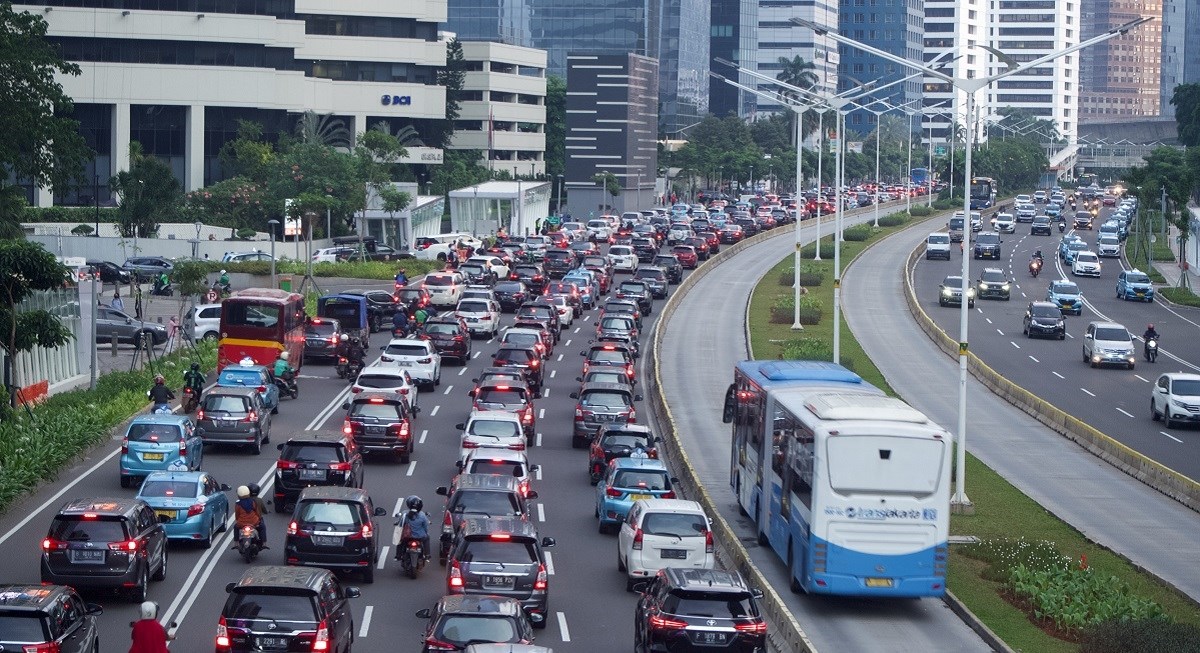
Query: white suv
(1175, 398)
(419, 357)
(599, 230)
(499, 461)
(660, 533)
(481, 315)
(491, 428)
(623, 258)
(386, 378)
(1108, 343)
(445, 288)
(1005, 224)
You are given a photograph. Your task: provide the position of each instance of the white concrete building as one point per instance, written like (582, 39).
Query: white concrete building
(177, 81)
(951, 25)
(779, 37)
(503, 113)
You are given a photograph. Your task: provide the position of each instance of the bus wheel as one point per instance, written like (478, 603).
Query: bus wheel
(793, 584)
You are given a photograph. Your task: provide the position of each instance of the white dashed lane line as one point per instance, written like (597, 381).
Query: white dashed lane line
(1145, 380)
(1058, 375)
(1014, 344)
(1124, 412)
(989, 320)
(1171, 436)
(412, 467)
(435, 410)
(366, 621)
(462, 371)
(1087, 392)
(448, 389)
(564, 633)
(1034, 359)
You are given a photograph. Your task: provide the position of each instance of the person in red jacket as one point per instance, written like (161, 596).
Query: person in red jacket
(149, 636)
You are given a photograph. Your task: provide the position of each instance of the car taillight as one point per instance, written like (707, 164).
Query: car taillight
(125, 442)
(333, 341)
(293, 528)
(195, 509)
(540, 583)
(708, 542)
(757, 628)
(252, 416)
(434, 644)
(470, 445)
(401, 430)
(425, 361)
(637, 540)
(128, 546)
(669, 494)
(631, 416)
(339, 467)
(222, 634)
(182, 447)
(321, 641)
(50, 544)
(613, 492)
(261, 388)
(347, 427)
(455, 577)
(287, 464)
(447, 523)
(528, 416)
(363, 534)
(663, 623)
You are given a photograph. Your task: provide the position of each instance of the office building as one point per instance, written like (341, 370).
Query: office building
(503, 109)
(734, 38)
(894, 26)
(1026, 30)
(681, 46)
(779, 38)
(1121, 76)
(179, 81)
(612, 118)
(501, 21)
(1180, 53)
(951, 25)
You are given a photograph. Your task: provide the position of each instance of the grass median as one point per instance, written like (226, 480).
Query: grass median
(1003, 513)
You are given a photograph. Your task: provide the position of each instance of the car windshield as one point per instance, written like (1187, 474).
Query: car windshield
(496, 428)
(521, 338)
(375, 410)
(619, 323)
(1045, 311)
(439, 280)
(515, 355)
(987, 239)
(22, 627)
(956, 223)
(280, 608)
(509, 397)
(1088, 258)
(320, 329)
(1137, 278)
(939, 240)
(473, 307)
(493, 504)
(409, 295)
(71, 529)
(310, 453)
(715, 605)
(1109, 240)
(607, 356)
(153, 433)
(380, 381)
(508, 286)
(180, 489)
(441, 328)
(501, 552)
(1064, 289)
(1112, 335)
(604, 399)
(676, 524)
(994, 276)
(406, 350)
(630, 440)
(214, 403)
(477, 628)
(952, 282)
(328, 515)
(607, 377)
(1186, 387)
(644, 479)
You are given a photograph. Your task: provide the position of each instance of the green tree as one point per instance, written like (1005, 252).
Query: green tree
(609, 182)
(556, 126)
(375, 157)
(12, 207)
(83, 230)
(41, 141)
(248, 155)
(325, 130)
(801, 74)
(1186, 100)
(148, 193)
(1167, 168)
(451, 77)
(25, 268)
(237, 203)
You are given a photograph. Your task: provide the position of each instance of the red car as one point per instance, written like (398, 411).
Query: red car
(686, 255)
(713, 239)
(700, 243)
(559, 239)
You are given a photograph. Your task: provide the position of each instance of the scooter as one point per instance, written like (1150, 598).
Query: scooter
(191, 399)
(1151, 350)
(1062, 226)
(162, 291)
(412, 560)
(287, 386)
(248, 543)
(348, 369)
(1035, 267)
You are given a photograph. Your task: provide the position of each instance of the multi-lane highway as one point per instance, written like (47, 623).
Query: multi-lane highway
(1115, 401)
(589, 607)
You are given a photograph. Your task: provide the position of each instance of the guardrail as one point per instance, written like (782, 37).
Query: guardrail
(1152, 473)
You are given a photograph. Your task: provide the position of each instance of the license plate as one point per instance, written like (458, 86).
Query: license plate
(499, 582)
(673, 554)
(274, 643)
(708, 637)
(327, 540)
(152, 456)
(472, 320)
(224, 423)
(169, 514)
(403, 364)
(638, 497)
(87, 556)
(1141, 294)
(312, 474)
(879, 582)
(373, 429)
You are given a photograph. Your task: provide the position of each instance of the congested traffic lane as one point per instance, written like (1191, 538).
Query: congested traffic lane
(703, 341)
(589, 607)
(1115, 401)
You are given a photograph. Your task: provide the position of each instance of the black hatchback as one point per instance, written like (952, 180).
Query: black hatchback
(510, 295)
(334, 528)
(684, 610)
(274, 608)
(321, 339)
(47, 618)
(315, 460)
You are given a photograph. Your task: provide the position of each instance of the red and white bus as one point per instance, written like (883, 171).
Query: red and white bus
(260, 323)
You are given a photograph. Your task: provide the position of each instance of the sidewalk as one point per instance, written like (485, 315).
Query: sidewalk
(1172, 271)
(154, 309)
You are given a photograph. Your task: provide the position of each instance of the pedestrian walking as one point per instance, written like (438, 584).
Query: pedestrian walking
(116, 302)
(137, 302)
(172, 332)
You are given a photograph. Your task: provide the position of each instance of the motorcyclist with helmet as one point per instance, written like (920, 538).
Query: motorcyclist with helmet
(250, 511)
(160, 394)
(414, 525)
(194, 379)
(401, 279)
(284, 372)
(400, 321)
(1147, 336)
(148, 634)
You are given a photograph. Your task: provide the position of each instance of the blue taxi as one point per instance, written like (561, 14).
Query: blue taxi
(585, 280)
(627, 480)
(1135, 284)
(192, 506)
(248, 374)
(1065, 295)
(160, 442)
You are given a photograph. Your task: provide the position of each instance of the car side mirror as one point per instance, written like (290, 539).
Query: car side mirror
(442, 491)
(279, 446)
(225, 488)
(579, 379)
(574, 395)
(345, 405)
(461, 426)
(756, 593)
(547, 542)
(353, 592)
(583, 353)
(94, 609)
(674, 479)
(383, 348)
(532, 494)
(535, 618)
(229, 587)
(415, 409)
(424, 613)
(534, 468)
(474, 380)
(379, 512)
(637, 397)
(458, 464)
(128, 320)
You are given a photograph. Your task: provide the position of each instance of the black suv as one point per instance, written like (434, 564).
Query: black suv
(110, 272)
(638, 292)
(502, 557)
(449, 335)
(558, 262)
(655, 278)
(321, 339)
(456, 622)
(543, 311)
(987, 245)
(532, 275)
(47, 618)
(696, 610)
(381, 422)
(479, 495)
(525, 358)
(510, 295)
(318, 459)
(671, 265)
(645, 249)
(334, 528)
(105, 543)
(994, 285)
(275, 608)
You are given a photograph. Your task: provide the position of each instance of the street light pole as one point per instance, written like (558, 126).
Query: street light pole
(969, 86)
(272, 224)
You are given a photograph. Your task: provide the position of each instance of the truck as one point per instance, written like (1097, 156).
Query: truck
(351, 312)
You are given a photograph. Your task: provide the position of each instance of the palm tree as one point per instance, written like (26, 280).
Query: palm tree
(801, 74)
(325, 130)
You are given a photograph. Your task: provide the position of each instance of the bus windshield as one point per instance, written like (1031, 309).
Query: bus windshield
(882, 464)
(262, 316)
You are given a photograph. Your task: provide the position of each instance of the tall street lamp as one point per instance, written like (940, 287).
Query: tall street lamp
(558, 193)
(970, 86)
(272, 223)
(878, 113)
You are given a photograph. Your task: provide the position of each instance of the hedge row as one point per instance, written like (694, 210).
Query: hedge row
(783, 311)
(920, 211)
(382, 270)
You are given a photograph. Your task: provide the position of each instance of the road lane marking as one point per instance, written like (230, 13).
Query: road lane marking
(327, 411)
(567, 343)
(587, 317)
(1123, 412)
(541, 413)
(448, 389)
(989, 320)
(412, 467)
(383, 556)
(462, 371)
(999, 331)
(366, 620)
(562, 627)
(575, 331)
(541, 512)
(54, 499)
(399, 506)
(537, 441)
(546, 391)
(1034, 359)
(552, 373)
(435, 410)
(537, 473)
(1171, 436)
(560, 357)
(1014, 344)
(1085, 390)
(1143, 379)
(476, 354)
(1058, 375)
(549, 563)
(980, 310)
(425, 432)
(1070, 336)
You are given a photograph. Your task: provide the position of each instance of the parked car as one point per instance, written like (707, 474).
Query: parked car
(111, 322)
(202, 322)
(146, 268)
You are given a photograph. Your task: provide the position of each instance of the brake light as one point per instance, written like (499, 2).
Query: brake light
(333, 340)
(49, 544)
(708, 542)
(195, 509)
(222, 634)
(252, 417)
(637, 540)
(425, 361)
(434, 644)
(757, 628)
(528, 416)
(613, 492)
(663, 623)
(128, 546)
(455, 578)
(339, 467)
(321, 642)
(364, 533)
(401, 430)
(540, 583)
(501, 536)
(470, 445)
(447, 523)
(355, 390)
(199, 416)
(182, 447)
(670, 494)
(287, 464)
(519, 445)
(125, 442)
(293, 528)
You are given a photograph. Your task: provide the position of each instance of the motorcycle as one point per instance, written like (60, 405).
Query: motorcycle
(348, 369)
(1062, 226)
(191, 399)
(412, 560)
(248, 544)
(287, 386)
(1035, 267)
(1151, 350)
(160, 290)
(223, 290)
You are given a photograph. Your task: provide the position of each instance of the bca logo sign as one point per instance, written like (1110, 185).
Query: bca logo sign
(396, 100)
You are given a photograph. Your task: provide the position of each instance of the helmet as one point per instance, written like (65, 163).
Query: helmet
(243, 492)
(222, 272)
(414, 503)
(158, 379)
(1149, 327)
(195, 367)
(284, 355)
(148, 610)
(345, 337)
(254, 489)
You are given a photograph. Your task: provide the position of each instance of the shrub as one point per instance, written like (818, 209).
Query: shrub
(810, 250)
(858, 233)
(1122, 635)
(1180, 296)
(945, 204)
(920, 211)
(382, 270)
(894, 219)
(810, 276)
(1004, 554)
(1073, 598)
(812, 349)
(67, 214)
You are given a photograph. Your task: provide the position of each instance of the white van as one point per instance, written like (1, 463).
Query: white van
(436, 247)
(660, 533)
(937, 245)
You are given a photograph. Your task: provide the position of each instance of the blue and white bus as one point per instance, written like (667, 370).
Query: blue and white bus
(849, 487)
